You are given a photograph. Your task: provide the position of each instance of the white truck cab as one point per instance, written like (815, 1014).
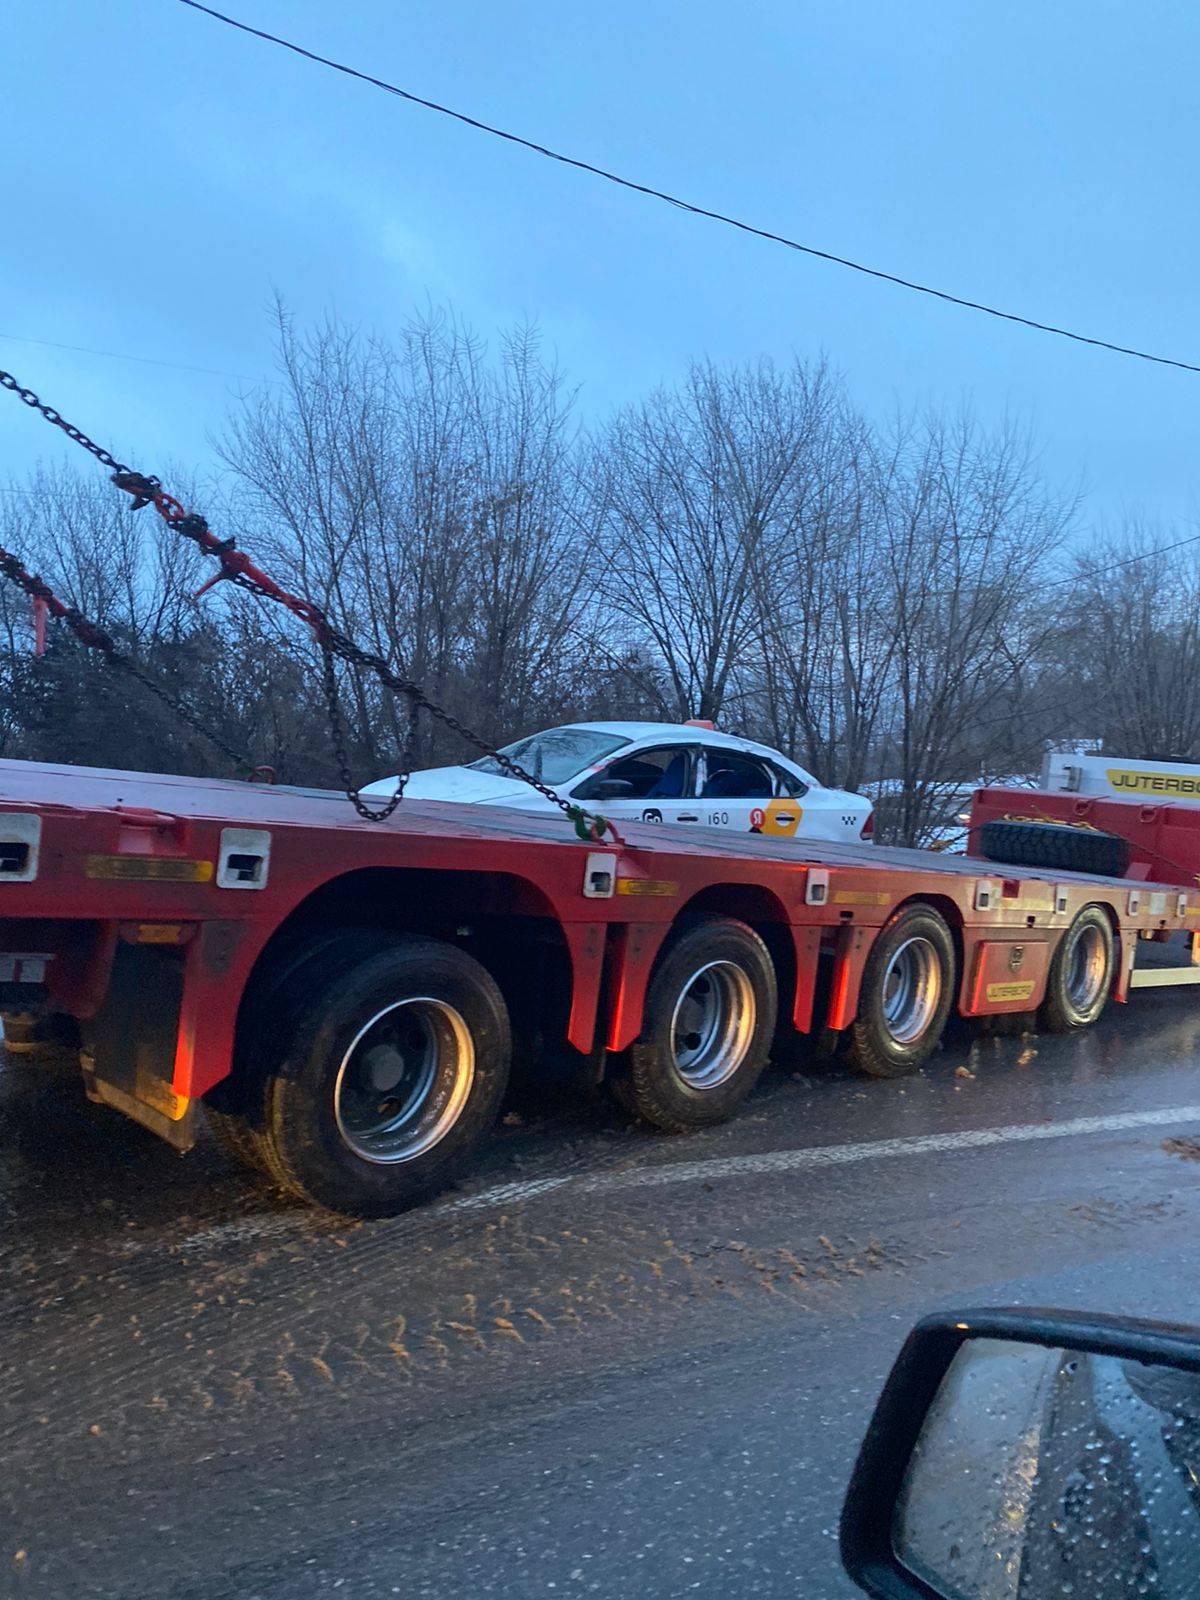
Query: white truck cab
(1117, 775)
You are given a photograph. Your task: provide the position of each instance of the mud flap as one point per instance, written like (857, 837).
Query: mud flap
(129, 1046)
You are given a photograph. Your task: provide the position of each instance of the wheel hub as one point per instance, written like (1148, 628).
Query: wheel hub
(1087, 965)
(713, 1024)
(402, 1083)
(912, 989)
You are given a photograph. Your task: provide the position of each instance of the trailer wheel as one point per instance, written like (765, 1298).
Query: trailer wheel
(1081, 974)
(906, 994)
(1051, 846)
(235, 1108)
(241, 1143)
(706, 1030)
(392, 1066)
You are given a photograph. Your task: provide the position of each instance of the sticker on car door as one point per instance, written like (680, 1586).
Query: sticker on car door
(780, 819)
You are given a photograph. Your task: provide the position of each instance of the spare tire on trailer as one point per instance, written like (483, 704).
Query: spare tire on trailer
(1055, 847)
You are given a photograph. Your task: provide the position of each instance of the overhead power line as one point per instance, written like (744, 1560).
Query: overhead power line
(123, 355)
(1115, 566)
(687, 205)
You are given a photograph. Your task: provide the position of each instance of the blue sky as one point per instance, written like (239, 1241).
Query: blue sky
(164, 175)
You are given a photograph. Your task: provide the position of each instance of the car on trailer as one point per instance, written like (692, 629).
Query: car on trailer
(661, 772)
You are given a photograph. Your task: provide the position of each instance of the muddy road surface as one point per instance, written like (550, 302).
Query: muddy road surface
(609, 1363)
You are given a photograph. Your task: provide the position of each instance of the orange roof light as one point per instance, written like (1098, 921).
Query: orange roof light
(701, 722)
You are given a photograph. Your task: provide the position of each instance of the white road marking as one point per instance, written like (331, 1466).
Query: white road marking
(825, 1155)
(505, 1192)
(246, 1230)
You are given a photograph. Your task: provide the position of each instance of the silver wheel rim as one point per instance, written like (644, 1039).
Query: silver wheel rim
(912, 988)
(1087, 967)
(713, 1024)
(402, 1084)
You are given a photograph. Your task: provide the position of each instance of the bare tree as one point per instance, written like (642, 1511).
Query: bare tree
(968, 531)
(1129, 644)
(827, 643)
(743, 546)
(699, 497)
(429, 501)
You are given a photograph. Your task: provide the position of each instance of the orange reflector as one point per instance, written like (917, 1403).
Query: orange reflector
(654, 886)
(159, 933)
(160, 1097)
(141, 869)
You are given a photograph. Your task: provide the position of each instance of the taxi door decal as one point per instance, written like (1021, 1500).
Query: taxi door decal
(781, 818)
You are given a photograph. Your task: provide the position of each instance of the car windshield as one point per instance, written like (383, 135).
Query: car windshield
(556, 755)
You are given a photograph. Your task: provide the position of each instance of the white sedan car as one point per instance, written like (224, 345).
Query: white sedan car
(665, 772)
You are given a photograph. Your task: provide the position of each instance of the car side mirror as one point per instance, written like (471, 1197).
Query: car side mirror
(1027, 1455)
(605, 789)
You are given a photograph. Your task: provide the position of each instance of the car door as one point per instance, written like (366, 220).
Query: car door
(738, 792)
(658, 784)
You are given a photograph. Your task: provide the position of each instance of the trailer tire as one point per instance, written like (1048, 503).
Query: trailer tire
(707, 1028)
(906, 993)
(393, 1065)
(1056, 848)
(237, 1140)
(235, 1108)
(1081, 974)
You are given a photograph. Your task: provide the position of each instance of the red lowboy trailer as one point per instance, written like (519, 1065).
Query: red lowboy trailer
(342, 996)
(340, 987)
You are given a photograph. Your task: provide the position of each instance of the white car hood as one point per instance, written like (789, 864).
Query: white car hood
(458, 783)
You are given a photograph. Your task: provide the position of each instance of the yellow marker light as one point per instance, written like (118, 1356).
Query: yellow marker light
(147, 869)
(661, 887)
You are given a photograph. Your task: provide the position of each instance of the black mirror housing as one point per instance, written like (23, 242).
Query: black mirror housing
(867, 1532)
(605, 789)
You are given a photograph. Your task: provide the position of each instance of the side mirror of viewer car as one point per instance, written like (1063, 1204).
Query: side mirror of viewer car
(1028, 1455)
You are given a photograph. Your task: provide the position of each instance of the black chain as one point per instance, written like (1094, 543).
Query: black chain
(97, 638)
(337, 736)
(333, 642)
(7, 381)
(239, 763)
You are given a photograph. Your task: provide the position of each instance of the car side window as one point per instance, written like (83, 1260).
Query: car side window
(663, 773)
(732, 776)
(787, 784)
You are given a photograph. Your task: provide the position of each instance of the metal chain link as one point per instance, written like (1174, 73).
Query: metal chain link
(239, 763)
(95, 637)
(332, 641)
(336, 643)
(337, 737)
(7, 381)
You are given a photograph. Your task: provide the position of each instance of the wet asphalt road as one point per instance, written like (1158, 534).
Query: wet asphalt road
(648, 1379)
